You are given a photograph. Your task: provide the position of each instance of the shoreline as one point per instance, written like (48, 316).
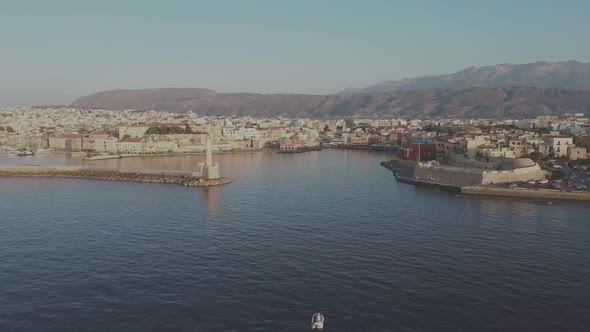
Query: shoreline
(492, 191)
(186, 179)
(121, 156)
(361, 147)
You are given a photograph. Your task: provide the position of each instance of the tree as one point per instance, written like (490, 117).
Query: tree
(2, 128)
(349, 123)
(165, 130)
(9, 129)
(175, 130)
(153, 131)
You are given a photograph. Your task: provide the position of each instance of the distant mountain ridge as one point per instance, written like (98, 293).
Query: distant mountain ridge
(482, 102)
(541, 74)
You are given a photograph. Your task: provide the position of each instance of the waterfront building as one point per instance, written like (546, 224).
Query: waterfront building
(60, 143)
(105, 145)
(359, 140)
(418, 152)
(292, 143)
(576, 153)
(130, 145)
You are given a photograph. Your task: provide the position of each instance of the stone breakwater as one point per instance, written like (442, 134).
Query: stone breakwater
(180, 178)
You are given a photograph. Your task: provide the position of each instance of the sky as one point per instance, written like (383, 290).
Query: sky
(53, 51)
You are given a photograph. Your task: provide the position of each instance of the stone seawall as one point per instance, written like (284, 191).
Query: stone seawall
(95, 173)
(398, 170)
(531, 193)
(448, 175)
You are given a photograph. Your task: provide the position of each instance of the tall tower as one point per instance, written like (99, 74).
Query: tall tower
(208, 153)
(210, 170)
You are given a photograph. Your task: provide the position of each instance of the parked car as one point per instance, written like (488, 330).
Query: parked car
(570, 183)
(543, 181)
(581, 187)
(531, 182)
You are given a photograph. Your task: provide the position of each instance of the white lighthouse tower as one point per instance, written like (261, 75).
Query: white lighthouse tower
(209, 170)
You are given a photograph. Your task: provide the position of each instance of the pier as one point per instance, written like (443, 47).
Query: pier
(187, 179)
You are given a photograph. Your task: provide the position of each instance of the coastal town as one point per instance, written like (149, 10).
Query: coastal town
(466, 152)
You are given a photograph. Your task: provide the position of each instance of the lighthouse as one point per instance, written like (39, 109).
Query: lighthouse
(209, 170)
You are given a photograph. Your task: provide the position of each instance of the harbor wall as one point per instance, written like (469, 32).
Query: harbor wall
(448, 175)
(531, 193)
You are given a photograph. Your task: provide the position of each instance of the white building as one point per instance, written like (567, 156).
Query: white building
(558, 145)
(135, 131)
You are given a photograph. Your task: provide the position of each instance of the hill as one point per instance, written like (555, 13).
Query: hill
(452, 102)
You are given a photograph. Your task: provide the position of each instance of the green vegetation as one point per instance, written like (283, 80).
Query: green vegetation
(446, 130)
(506, 127)
(165, 130)
(349, 123)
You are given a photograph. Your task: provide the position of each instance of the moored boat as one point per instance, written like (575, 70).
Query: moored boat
(43, 151)
(25, 153)
(317, 322)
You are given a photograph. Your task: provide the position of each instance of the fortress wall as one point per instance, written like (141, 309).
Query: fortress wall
(450, 176)
(520, 174)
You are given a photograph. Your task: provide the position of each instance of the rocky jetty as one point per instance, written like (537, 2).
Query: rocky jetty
(185, 179)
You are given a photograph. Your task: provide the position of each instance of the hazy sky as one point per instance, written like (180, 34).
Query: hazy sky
(52, 51)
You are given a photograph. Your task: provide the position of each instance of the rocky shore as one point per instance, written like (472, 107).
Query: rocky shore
(180, 178)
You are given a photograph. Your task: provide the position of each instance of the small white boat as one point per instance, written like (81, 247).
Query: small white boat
(25, 153)
(317, 322)
(43, 151)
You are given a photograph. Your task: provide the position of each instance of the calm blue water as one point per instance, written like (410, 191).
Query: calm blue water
(326, 231)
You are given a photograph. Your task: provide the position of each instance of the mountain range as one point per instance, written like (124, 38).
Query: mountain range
(541, 74)
(499, 91)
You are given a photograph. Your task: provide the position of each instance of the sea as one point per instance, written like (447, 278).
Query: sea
(294, 234)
